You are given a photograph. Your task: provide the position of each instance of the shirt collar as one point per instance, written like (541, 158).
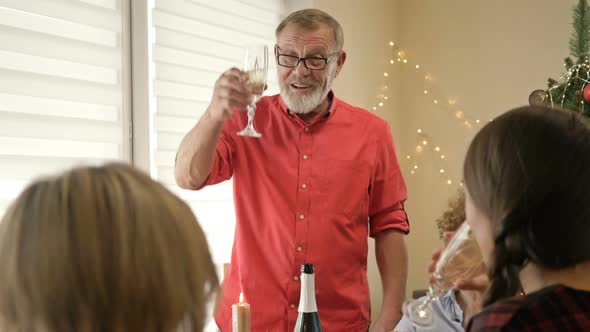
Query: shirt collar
(449, 303)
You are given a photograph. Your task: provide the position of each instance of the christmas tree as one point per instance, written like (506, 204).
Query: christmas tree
(572, 91)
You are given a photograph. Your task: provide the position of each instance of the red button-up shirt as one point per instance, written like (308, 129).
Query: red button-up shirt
(307, 193)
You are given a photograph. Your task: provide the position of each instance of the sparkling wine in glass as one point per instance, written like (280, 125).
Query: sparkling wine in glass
(460, 259)
(256, 65)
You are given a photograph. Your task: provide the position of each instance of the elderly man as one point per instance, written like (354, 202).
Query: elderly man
(323, 177)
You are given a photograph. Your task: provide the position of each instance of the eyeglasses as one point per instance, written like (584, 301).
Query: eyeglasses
(311, 63)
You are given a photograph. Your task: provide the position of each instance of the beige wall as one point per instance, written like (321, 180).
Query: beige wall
(488, 55)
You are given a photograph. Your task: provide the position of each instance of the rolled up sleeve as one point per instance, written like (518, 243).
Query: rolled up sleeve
(388, 189)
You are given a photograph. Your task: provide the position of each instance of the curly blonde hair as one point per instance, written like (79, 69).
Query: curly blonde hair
(454, 215)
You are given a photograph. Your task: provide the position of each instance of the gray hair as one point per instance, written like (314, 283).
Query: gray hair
(312, 19)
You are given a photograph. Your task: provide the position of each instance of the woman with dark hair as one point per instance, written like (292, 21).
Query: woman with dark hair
(528, 202)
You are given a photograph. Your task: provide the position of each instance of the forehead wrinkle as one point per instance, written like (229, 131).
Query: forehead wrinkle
(298, 41)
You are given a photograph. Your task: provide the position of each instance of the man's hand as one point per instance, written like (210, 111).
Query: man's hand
(229, 94)
(380, 326)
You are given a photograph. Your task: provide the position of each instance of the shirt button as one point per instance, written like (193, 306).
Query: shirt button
(292, 306)
(306, 129)
(304, 186)
(296, 278)
(300, 248)
(305, 157)
(301, 216)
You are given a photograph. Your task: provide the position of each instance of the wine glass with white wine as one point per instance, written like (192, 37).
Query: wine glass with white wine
(256, 66)
(460, 259)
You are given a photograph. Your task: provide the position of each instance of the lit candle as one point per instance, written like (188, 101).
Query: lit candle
(241, 315)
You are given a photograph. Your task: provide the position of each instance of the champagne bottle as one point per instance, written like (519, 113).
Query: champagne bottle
(308, 319)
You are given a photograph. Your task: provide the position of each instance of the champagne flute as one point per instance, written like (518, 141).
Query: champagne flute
(256, 65)
(460, 259)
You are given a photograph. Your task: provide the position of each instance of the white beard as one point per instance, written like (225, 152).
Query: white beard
(303, 104)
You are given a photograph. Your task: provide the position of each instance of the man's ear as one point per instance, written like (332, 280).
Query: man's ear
(340, 61)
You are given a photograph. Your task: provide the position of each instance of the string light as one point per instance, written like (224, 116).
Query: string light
(579, 72)
(449, 104)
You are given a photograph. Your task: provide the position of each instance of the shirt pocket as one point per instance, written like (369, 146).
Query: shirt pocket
(344, 187)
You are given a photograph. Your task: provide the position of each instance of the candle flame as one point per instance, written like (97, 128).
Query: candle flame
(241, 297)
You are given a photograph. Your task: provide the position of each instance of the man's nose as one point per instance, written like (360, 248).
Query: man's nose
(301, 70)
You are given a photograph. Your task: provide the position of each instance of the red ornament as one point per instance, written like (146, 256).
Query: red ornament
(587, 93)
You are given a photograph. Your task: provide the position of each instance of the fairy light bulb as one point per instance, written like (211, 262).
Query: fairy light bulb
(392, 61)
(477, 121)
(436, 101)
(413, 172)
(425, 142)
(442, 171)
(405, 61)
(391, 43)
(437, 149)
(380, 104)
(425, 92)
(417, 66)
(449, 182)
(419, 148)
(419, 131)
(408, 157)
(442, 157)
(399, 59)
(386, 74)
(374, 108)
(459, 114)
(385, 98)
(415, 166)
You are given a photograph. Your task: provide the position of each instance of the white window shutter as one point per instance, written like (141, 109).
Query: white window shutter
(63, 87)
(194, 42)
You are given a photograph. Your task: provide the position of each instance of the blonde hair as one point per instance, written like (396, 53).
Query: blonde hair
(312, 19)
(453, 216)
(102, 249)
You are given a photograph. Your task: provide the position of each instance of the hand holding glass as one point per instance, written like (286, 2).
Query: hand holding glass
(460, 259)
(256, 66)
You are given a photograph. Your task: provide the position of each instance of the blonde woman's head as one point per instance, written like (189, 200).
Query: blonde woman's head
(102, 249)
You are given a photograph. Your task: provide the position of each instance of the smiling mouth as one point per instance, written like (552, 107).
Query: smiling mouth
(300, 86)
